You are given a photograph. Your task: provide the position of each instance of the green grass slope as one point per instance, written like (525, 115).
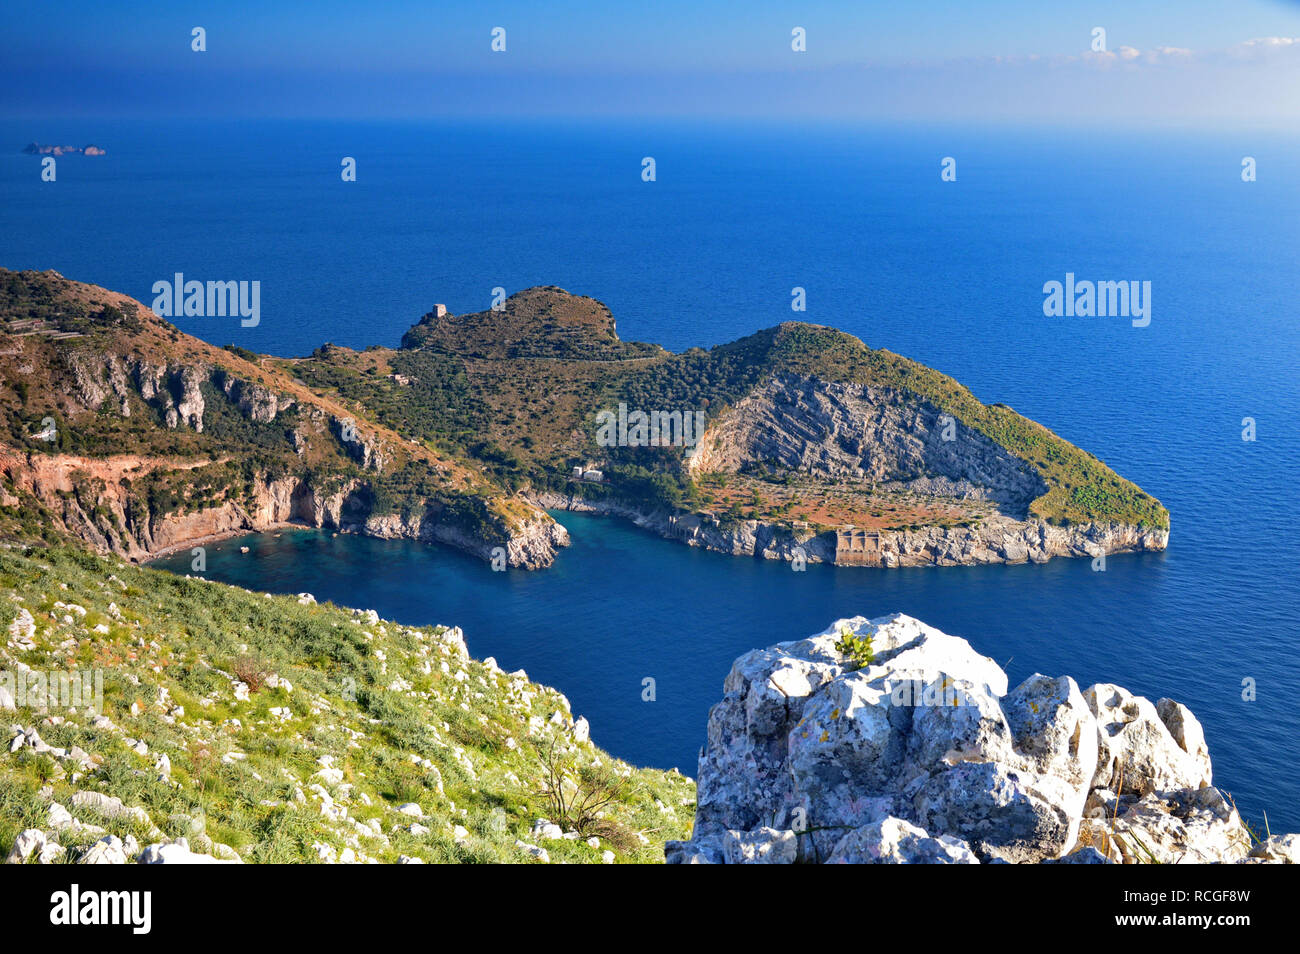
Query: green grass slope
(292, 732)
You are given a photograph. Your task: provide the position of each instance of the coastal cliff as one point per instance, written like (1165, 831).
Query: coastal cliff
(93, 501)
(997, 540)
(886, 741)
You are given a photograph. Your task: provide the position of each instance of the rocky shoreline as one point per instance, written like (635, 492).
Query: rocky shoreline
(997, 540)
(290, 502)
(923, 755)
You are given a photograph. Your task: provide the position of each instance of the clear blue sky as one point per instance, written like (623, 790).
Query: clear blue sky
(1174, 60)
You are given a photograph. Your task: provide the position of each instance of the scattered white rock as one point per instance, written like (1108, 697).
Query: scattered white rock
(894, 841)
(30, 842)
(109, 850)
(539, 853)
(22, 631)
(178, 853)
(547, 831)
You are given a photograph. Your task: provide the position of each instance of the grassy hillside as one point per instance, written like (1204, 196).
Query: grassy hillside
(294, 731)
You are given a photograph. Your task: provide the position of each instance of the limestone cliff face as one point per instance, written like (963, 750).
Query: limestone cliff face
(997, 540)
(257, 403)
(175, 391)
(923, 754)
(831, 431)
(530, 545)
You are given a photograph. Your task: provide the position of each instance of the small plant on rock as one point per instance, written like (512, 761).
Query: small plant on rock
(856, 648)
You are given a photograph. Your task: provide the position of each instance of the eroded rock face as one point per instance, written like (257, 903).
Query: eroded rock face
(924, 756)
(998, 539)
(835, 430)
(257, 403)
(1134, 738)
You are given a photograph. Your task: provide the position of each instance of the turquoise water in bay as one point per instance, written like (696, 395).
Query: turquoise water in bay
(950, 274)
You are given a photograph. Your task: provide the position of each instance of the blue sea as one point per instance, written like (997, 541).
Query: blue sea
(948, 273)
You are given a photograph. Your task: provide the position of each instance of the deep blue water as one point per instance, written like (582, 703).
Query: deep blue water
(947, 273)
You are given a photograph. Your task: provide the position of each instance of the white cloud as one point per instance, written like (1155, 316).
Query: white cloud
(1264, 48)
(1270, 41)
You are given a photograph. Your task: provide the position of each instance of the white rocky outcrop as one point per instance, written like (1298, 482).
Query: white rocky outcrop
(925, 756)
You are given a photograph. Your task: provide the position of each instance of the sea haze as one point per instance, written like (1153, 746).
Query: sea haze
(948, 273)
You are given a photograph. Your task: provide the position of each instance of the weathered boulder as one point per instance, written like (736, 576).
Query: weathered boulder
(32, 844)
(921, 754)
(1284, 849)
(109, 850)
(764, 846)
(178, 853)
(1138, 753)
(893, 841)
(1188, 826)
(1005, 814)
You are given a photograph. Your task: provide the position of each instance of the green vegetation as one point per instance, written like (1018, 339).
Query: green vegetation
(343, 717)
(857, 648)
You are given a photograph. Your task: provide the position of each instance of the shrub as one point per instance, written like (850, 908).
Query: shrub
(251, 671)
(856, 648)
(576, 798)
